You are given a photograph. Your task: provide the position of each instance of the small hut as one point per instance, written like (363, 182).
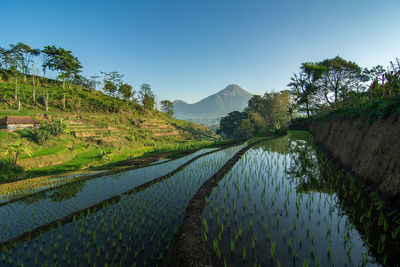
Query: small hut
(13, 123)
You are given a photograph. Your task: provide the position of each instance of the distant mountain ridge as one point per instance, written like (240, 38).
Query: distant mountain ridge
(209, 110)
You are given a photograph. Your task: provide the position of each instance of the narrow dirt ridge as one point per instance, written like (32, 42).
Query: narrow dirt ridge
(188, 248)
(80, 213)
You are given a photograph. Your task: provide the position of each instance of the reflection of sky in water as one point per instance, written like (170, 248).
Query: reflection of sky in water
(65, 178)
(34, 211)
(143, 222)
(261, 193)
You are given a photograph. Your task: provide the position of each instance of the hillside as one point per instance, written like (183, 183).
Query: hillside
(91, 130)
(209, 110)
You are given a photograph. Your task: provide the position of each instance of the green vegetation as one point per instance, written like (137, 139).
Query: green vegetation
(262, 114)
(339, 88)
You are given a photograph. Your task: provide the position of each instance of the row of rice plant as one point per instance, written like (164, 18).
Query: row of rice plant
(285, 204)
(11, 191)
(137, 230)
(29, 213)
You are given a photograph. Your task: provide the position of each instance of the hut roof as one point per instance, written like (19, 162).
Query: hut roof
(18, 120)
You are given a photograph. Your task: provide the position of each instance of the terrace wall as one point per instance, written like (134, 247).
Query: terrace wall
(370, 151)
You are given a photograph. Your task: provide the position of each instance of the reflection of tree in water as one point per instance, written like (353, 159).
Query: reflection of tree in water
(278, 145)
(312, 171)
(34, 198)
(63, 192)
(67, 192)
(304, 169)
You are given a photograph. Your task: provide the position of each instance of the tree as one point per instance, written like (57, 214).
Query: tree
(168, 107)
(24, 54)
(126, 91)
(256, 104)
(59, 59)
(112, 81)
(338, 78)
(94, 82)
(277, 111)
(257, 120)
(146, 96)
(245, 129)
(304, 86)
(375, 73)
(5, 58)
(229, 123)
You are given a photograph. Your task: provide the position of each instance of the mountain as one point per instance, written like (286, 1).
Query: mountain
(209, 110)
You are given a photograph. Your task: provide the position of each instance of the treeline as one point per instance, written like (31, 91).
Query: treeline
(324, 87)
(20, 63)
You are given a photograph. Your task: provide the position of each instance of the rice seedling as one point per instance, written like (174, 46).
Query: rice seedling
(265, 184)
(160, 206)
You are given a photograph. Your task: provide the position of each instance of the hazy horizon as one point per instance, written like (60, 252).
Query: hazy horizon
(189, 50)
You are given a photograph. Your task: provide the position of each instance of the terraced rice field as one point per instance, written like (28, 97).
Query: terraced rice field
(282, 204)
(132, 221)
(286, 204)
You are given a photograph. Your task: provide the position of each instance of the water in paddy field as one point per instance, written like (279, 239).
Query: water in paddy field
(285, 204)
(135, 230)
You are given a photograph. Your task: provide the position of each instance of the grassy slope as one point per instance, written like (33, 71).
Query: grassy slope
(132, 132)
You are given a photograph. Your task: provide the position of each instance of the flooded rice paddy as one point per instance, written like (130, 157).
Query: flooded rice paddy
(282, 204)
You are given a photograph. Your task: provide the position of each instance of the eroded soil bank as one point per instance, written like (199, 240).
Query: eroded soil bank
(371, 151)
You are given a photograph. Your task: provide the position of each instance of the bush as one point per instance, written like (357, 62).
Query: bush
(41, 135)
(56, 127)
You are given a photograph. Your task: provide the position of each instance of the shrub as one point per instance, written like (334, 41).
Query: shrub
(41, 135)
(56, 127)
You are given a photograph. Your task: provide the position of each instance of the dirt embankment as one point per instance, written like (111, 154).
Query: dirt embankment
(370, 151)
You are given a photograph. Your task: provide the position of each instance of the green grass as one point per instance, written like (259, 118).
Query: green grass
(82, 159)
(5, 135)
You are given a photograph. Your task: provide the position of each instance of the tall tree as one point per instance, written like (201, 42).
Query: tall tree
(339, 77)
(168, 107)
(276, 111)
(45, 63)
(304, 86)
(112, 81)
(63, 61)
(94, 82)
(146, 96)
(5, 58)
(25, 56)
(125, 90)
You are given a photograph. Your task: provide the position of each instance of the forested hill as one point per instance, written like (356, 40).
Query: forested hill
(209, 110)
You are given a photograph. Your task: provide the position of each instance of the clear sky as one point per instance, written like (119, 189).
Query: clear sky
(190, 49)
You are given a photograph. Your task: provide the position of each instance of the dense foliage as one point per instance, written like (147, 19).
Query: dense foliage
(336, 84)
(263, 113)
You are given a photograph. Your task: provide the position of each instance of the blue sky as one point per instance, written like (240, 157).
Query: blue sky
(190, 49)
